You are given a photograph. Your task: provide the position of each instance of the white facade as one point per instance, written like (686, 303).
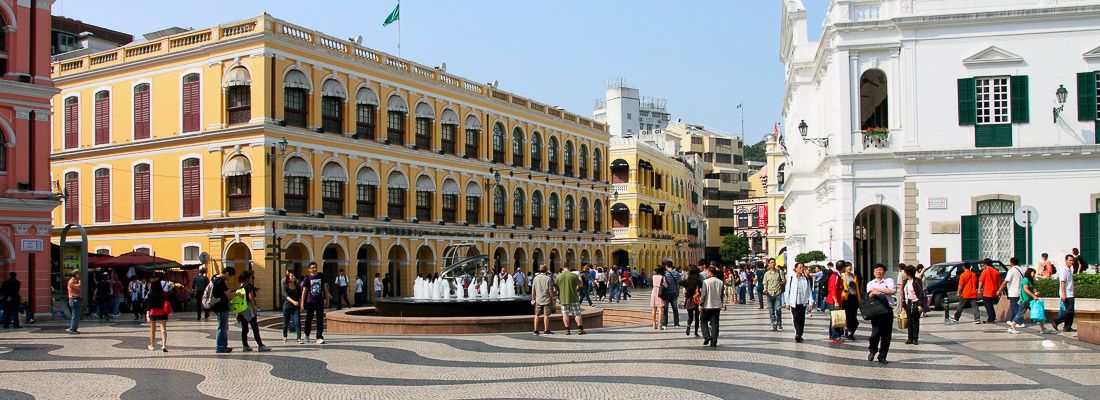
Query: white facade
(627, 113)
(905, 66)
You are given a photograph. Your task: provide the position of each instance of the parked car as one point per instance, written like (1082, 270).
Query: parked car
(942, 280)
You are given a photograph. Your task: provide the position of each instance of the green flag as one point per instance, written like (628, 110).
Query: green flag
(394, 15)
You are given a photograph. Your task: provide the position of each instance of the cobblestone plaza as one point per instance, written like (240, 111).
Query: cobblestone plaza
(956, 361)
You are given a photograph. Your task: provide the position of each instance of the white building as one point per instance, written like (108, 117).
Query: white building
(965, 93)
(627, 113)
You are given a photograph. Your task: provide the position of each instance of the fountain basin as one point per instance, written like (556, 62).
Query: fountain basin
(365, 321)
(411, 307)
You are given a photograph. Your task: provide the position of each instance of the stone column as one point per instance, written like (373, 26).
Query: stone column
(909, 250)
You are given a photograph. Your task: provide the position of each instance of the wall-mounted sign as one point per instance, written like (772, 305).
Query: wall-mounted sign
(937, 203)
(31, 245)
(257, 244)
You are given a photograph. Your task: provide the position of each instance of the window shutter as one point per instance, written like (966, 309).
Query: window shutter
(191, 191)
(1022, 244)
(72, 124)
(969, 237)
(72, 201)
(102, 120)
(191, 106)
(141, 115)
(1020, 110)
(999, 135)
(141, 195)
(967, 107)
(102, 198)
(1086, 96)
(1090, 242)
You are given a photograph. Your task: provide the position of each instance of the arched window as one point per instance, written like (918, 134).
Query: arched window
(570, 208)
(780, 177)
(517, 147)
(333, 178)
(142, 199)
(498, 143)
(102, 117)
(873, 105)
(597, 215)
(451, 192)
(72, 122)
(568, 158)
(473, 203)
(191, 103)
(518, 204)
(395, 120)
(473, 137)
(72, 197)
(3, 46)
(582, 162)
(425, 117)
(425, 190)
(332, 106)
(238, 183)
(584, 214)
(536, 151)
(366, 192)
(536, 209)
(296, 99)
(191, 187)
(597, 165)
(366, 111)
(397, 186)
(448, 133)
(141, 111)
(552, 155)
(499, 201)
(103, 195)
(553, 211)
(296, 177)
(237, 84)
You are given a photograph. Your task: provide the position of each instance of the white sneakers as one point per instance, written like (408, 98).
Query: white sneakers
(320, 341)
(1013, 331)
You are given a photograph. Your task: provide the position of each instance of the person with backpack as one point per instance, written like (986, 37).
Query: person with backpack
(315, 298)
(656, 299)
(586, 288)
(216, 299)
(1011, 287)
(159, 310)
(248, 317)
(821, 283)
(758, 278)
(672, 292)
(198, 285)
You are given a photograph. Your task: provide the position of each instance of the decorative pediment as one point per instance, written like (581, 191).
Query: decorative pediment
(993, 55)
(1093, 54)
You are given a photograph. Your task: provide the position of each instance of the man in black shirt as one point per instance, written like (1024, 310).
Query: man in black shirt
(222, 294)
(198, 287)
(9, 293)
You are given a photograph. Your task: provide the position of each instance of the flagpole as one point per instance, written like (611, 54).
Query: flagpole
(399, 29)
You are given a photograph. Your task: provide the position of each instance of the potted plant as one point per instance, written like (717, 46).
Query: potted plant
(876, 136)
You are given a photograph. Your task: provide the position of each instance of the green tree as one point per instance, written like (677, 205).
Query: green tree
(757, 152)
(810, 257)
(733, 248)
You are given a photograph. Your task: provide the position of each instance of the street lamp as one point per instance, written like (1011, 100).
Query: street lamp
(803, 130)
(1061, 95)
(276, 245)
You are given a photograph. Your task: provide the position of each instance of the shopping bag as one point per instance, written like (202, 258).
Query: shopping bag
(1061, 306)
(903, 321)
(839, 319)
(1038, 312)
(1002, 310)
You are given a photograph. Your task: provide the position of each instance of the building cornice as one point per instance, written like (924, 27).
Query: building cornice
(1000, 153)
(10, 87)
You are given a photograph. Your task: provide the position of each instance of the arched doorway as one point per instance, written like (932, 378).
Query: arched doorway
(877, 238)
(585, 258)
(500, 259)
(599, 258)
(537, 258)
(555, 260)
(519, 259)
(295, 258)
(239, 257)
(571, 258)
(873, 104)
(620, 258)
(398, 260)
(332, 261)
(425, 261)
(366, 266)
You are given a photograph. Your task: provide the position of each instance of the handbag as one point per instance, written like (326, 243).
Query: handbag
(839, 319)
(167, 308)
(1038, 312)
(903, 321)
(873, 307)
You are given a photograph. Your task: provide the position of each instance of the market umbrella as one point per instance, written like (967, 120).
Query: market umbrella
(141, 261)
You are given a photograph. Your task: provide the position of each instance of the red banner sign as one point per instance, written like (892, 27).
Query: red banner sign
(762, 219)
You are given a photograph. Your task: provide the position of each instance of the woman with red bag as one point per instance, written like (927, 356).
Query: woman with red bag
(159, 310)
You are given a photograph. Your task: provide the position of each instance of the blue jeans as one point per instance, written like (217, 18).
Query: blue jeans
(74, 309)
(834, 333)
(775, 308)
(1021, 311)
(740, 295)
(378, 295)
(1013, 307)
(118, 300)
(614, 294)
(222, 337)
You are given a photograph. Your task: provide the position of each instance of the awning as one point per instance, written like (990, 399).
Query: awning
(237, 166)
(333, 88)
(141, 261)
(423, 110)
(296, 79)
(396, 103)
(473, 122)
(619, 163)
(645, 164)
(646, 208)
(334, 172)
(450, 187)
(619, 207)
(367, 97)
(425, 184)
(297, 167)
(473, 189)
(367, 176)
(449, 118)
(236, 77)
(397, 181)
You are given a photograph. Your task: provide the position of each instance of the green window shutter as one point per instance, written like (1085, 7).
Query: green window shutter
(1022, 249)
(969, 237)
(967, 106)
(999, 135)
(1086, 96)
(1090, 242)
(1020, 111)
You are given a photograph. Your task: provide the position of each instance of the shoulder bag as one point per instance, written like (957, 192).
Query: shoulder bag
(873, 307)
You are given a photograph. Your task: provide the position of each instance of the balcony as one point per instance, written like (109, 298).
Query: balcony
(876, 138)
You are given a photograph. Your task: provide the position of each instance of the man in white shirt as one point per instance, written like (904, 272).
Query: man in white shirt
(359, 290)
(1011, 285)
(711, 300)
(342, 290)
(377, 286)
(1065, 292)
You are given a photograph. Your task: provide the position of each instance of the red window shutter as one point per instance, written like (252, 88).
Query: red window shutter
(190, 190)
(141, 115)
(191, 106)
(72, 200)
(103, 120)
(72, 124)
(141, 195)
(103, 198)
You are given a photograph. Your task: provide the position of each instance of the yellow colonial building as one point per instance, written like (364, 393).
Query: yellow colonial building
(767, 188)
(235, 138)
(655, 208)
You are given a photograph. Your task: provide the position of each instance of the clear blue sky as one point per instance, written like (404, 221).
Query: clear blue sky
(704, 57)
